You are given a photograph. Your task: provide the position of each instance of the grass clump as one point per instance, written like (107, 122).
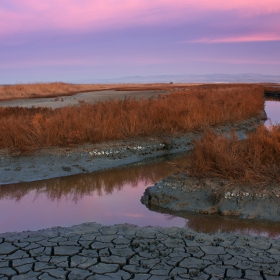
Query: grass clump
(253, 160)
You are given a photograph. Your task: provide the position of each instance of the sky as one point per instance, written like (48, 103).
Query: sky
(81, 40)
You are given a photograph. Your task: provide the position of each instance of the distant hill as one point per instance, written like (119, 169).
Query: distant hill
(208, 78)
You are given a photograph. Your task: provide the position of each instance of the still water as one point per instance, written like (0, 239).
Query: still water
(111, 197)
(272, 108)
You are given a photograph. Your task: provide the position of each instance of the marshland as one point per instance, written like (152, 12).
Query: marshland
(182, 111)
(194, 113)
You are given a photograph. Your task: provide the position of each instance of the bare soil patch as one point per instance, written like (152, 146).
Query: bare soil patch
(78, 99)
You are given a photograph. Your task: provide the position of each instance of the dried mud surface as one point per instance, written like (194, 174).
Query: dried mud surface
(93, 251)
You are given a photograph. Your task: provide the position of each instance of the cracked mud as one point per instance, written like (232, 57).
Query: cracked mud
(93, 251)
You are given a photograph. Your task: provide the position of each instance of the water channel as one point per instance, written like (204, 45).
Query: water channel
(111, 197)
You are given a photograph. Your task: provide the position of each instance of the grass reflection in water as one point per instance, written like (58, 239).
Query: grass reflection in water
(98, 183)
(82, 187)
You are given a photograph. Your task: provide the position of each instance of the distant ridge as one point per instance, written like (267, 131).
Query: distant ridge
(207, 78)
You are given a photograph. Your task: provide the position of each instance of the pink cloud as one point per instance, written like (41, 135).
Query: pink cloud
(235, 60)
(238, 39)
(245, 7)
(34, 16)
(120, 59)
(123, 59)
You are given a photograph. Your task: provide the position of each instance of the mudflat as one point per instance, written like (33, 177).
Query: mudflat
(85, 97)
(93, 251)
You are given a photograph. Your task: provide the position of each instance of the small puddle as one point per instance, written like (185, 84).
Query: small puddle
(113, 197)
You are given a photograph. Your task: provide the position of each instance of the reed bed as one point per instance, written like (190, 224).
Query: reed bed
(254, 160)
(184, 111)
(39, 90)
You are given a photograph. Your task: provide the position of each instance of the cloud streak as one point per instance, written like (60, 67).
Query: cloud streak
(82, 15)
(123, 37)
(239, 39)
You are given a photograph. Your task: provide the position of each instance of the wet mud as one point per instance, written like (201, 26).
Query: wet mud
(181, 193)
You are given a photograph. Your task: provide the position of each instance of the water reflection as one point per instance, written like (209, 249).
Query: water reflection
(111, 197)
(217, 223)
(272, 108)
(107, 197)
(99, 183)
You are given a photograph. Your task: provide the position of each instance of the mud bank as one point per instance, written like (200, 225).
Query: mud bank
(181, 193)
(59, 162)
(79, 98)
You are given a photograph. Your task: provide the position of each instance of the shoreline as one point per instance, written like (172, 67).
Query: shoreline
(60, 162)
(180, 193)
(76, 99)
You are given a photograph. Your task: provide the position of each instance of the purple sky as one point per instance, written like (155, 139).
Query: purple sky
(71, 40)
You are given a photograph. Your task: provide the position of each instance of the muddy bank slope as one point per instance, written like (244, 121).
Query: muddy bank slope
(58, 162)
(181, 193)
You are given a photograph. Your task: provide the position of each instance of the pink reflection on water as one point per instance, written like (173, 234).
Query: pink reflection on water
(69, 201)
(111, 197)
(272, 109)
(34, 205)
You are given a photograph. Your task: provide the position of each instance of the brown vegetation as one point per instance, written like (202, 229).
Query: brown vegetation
(17, 91)
(26, 129)
(272, 89)
(254, 160)
(39, 90)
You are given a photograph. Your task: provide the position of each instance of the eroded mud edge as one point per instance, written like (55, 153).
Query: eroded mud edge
(181, 193)
(59, 162)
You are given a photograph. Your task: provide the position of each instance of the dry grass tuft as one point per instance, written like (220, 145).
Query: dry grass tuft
(254, 160)
(26, 129)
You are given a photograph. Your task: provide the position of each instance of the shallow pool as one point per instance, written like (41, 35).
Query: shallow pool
(272, 108)
(107, 197)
